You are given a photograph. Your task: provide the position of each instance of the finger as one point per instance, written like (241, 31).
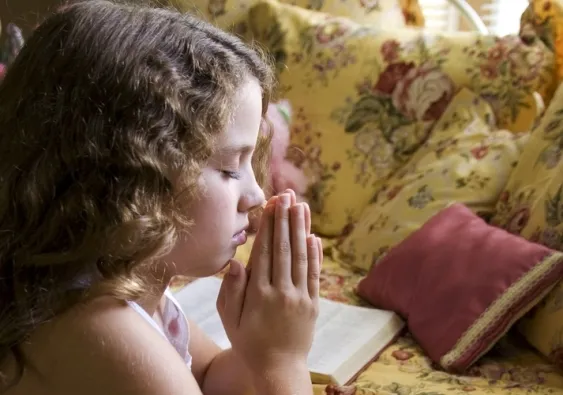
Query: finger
(281, 265)
(269, 203)
(313, 274)
(260, 261)
(272, 201)
(321, 252)
(221, 299)
(307, 219)
(308, 211)
(293, 197)
(233, 292)
(299, 266)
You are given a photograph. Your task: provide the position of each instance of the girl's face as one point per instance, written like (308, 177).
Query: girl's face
(230, 192)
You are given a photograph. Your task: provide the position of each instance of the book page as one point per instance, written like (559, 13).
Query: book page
(341, 330)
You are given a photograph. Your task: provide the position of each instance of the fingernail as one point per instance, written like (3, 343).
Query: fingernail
(285, 200)
(234, 269)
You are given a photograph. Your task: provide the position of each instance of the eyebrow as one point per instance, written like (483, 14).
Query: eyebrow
(236, 149)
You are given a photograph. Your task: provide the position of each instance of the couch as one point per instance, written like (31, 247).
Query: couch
(392, 124)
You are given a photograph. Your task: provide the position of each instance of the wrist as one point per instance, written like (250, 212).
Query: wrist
(290, 377)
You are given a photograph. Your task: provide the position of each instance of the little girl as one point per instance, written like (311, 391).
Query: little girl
(128, 139)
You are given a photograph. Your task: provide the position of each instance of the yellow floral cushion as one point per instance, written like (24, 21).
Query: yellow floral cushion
(531, 206)
(465, 160)
(365, 98)
(227, 14)
(543, 328)
(511, 368)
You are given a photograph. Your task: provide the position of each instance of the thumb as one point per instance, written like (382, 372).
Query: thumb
(232, 294)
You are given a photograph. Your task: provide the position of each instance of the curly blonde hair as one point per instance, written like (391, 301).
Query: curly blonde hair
(104, 103)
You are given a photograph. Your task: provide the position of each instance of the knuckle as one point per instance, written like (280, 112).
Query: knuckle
(305, 307)
(314, 274)
(264, 248)
(287, 296)
(284, 247)
(284, 214)
(314, 311)
(263, 290)
(301, 257)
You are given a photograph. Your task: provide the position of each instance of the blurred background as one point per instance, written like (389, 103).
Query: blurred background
(442, 15)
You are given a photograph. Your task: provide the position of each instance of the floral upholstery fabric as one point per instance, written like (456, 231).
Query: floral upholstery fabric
(230, 14)
(366, 99)
(530, 203)
(531, 206)
(465, 160)
(511, 368)
(543, 327)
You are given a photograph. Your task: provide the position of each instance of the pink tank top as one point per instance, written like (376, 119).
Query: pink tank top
(175, 325)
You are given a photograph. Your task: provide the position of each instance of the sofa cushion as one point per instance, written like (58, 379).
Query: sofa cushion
(531, 206)
(230, 14)
(366, 98)
(461, 284)
(466, 160)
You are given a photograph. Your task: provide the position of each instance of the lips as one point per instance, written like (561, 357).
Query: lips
(240, 238)
(245, 229)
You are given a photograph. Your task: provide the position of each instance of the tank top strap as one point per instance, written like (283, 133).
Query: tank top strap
(175, 325)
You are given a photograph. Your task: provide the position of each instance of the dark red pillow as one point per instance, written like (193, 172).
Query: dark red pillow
(460, 284)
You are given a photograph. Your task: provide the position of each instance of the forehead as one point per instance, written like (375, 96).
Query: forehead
(244, 125)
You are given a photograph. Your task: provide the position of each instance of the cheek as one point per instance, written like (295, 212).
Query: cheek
(217, 205)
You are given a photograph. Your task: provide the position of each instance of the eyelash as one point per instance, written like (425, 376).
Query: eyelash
(231, 174)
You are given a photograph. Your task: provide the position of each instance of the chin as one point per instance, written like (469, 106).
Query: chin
(212, 268)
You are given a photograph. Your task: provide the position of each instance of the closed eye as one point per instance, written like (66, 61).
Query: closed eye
(231, 174)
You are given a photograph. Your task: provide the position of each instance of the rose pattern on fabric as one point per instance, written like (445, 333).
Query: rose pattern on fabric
(378, 94)
(510, 368)
(423, 93)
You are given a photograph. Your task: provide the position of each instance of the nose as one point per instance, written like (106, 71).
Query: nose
(253, 198)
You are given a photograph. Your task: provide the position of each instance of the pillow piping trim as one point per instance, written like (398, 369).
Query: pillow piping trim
(517, 297)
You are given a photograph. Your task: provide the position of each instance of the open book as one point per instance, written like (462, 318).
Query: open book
(347, 338)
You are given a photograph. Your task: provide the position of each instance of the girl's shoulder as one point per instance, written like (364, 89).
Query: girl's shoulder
(111, 348)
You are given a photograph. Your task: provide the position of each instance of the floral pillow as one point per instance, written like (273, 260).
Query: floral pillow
(366, 98)
(531, 206)
(230, 14)
(466, 160)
